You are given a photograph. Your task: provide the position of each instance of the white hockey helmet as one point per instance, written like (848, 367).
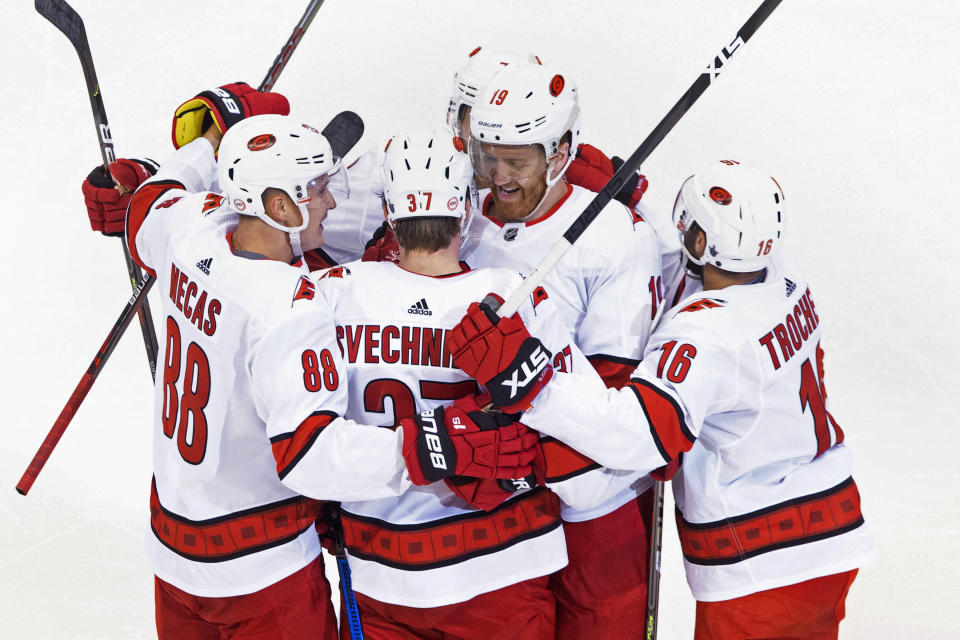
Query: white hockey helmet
(281, 152)
(739, 209)
(527, 104)
(425, 175)
(481, 65)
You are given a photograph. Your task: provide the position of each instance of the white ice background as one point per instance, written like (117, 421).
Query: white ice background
(852, 106)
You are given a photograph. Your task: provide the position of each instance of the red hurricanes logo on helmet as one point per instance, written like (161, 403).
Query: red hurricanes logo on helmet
(261, 142)
(720, 195)
(239, 204)
(556, 85)
(457, 143)
(452, 204)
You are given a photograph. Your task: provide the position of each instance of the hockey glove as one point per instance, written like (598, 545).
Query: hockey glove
(592, 170)
(502, 355)
(382, 247)
(481, 494)
(224, 107)
(462, 440)
(107, 197)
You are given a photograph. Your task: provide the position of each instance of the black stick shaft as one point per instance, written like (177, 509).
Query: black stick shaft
(653, 568)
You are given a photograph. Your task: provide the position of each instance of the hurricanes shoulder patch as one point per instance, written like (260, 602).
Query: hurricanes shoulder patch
(704, 303)
(305, 290)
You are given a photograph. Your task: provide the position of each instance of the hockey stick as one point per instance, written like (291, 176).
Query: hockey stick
(570, 236)
(138, 300)
(632, 164)
(64, 18)
(653, 568)
(346, 581)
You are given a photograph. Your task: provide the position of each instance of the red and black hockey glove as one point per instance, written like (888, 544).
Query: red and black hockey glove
(107, 197)
(463, 440)
(488, 494)
(224, 107)
(382, 247)
(484, 494)
(592, 170)
(502, 355)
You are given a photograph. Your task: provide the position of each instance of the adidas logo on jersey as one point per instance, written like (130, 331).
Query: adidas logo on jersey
(204, 265)
(420, 308)
(791, 285)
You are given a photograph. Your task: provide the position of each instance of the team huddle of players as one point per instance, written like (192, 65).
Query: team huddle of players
(325, 341)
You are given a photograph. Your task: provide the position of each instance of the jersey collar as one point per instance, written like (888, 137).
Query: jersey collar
(464, 268)
(253, 255)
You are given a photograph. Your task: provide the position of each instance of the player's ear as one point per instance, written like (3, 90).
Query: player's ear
(281, 208)
(559, 159)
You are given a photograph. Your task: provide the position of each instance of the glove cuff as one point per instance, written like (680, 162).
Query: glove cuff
(515, 387)
(427, 448)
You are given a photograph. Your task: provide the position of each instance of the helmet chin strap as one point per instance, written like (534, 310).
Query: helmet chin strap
(295, 234)
(295, 244)
(550, 182)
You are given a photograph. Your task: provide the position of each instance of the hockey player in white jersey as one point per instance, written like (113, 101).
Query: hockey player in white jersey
(249, 400)
(229, 542)
(590, 169)
(428, 563)
(767, 510)
(524, 133)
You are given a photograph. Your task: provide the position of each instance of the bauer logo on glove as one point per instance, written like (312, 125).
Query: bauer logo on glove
(431, 436)
(462, 439)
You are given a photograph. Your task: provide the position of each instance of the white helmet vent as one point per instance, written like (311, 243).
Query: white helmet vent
(425, 176)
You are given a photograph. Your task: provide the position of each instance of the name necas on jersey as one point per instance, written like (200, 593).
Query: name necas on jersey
(248, 379)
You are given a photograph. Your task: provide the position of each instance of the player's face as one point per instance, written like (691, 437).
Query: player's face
(462, 131)
(321, 202)
(516, 173)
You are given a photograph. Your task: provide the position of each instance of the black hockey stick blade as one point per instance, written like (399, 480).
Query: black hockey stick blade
(343, 132)
(63, 17)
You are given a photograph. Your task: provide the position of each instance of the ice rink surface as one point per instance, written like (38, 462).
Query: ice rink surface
(852, 106)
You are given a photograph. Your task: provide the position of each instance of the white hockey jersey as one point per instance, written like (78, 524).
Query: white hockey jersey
(353, 221)
(607, 288)
(249, 361)
(426, 547)
(765, 495)
(676, 281)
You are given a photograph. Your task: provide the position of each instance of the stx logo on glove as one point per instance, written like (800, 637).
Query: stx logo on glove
(428, 424)
(531, 369)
